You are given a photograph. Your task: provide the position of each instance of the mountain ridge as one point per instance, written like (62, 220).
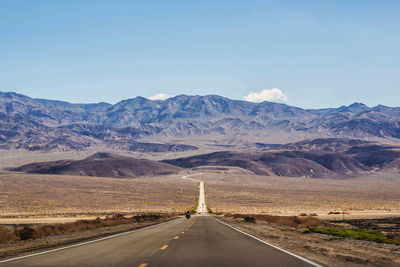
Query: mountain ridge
(37, 124)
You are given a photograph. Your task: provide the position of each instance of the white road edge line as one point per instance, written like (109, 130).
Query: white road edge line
(85, 243)
(278, 248)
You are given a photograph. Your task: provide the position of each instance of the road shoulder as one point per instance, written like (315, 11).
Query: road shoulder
(318, 248)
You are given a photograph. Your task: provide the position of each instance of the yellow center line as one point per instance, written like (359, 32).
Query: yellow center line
(143, 265)
(164, 247)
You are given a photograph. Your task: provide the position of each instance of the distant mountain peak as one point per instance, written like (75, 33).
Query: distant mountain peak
(358, 105)
(12, 94)
(102, 155)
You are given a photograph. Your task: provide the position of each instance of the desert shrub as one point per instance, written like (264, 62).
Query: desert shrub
(292, 221)
(26, 233)
(118, 216)
(311, 222)
(7, 235)
(361, 234)
(334, 212)
(137, 218)
(303, 214)
(192, 211)
(209, 210)
(150, 217)
(47, 229)
(249, 219)
(391, 236)
(297, 220)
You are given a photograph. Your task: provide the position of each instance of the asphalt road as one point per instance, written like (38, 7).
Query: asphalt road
(199, 241)
(201, 209)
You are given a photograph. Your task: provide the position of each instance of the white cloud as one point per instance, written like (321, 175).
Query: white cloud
(266, 95)
(159, 96)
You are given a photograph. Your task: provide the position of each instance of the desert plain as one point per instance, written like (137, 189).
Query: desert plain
(231, 193)
(228, 189)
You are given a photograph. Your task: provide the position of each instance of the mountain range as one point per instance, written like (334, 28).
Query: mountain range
(140, 124)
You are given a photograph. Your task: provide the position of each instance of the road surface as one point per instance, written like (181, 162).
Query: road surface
(201, 208)
(199, 241)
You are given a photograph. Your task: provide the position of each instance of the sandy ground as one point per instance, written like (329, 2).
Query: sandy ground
(374, 195)
(35, 198)
(36, 195)
(230, 190)
(48, 198)
(328, 250)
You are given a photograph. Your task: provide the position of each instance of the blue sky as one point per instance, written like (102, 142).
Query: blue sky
(318, 53)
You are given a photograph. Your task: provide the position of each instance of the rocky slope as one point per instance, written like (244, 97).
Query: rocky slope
(38, 124)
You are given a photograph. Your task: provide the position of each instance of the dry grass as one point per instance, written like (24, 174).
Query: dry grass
(7, 234)
(10, 235)
(360, 234)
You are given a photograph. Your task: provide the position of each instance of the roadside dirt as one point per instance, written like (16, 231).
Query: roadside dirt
(324, 249)
(45, 220)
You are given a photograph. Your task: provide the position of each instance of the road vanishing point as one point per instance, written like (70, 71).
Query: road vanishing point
(200, 241)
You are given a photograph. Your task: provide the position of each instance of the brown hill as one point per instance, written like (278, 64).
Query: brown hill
(102, 165)
(282, 163)
(333, 158)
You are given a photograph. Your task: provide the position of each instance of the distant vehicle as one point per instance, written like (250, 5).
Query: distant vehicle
(188, 215)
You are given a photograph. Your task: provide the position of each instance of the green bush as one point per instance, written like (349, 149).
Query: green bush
(361, 234)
